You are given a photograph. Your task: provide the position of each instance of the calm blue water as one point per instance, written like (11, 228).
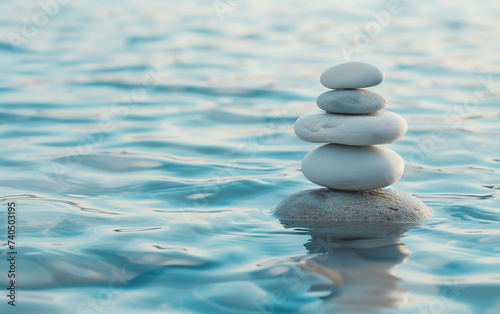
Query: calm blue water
(145, 144)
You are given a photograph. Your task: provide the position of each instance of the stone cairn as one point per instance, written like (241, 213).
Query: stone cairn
(353, 166)
(353, 124)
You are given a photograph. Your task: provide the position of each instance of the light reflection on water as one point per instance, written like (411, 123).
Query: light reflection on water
(160, 202)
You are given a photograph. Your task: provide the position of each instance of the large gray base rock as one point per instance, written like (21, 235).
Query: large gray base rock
(381, 206)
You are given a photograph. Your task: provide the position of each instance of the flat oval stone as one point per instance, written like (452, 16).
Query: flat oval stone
(351, 75)
(325, 205)
(350, 101)
(381, 127)
(352, 168)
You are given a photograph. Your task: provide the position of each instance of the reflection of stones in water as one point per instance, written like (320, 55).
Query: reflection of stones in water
(355, 242)
(361, 270)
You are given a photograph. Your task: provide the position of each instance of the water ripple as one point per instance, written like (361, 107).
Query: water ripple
(163, 189)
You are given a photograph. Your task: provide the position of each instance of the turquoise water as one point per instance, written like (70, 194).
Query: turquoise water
(145, 144)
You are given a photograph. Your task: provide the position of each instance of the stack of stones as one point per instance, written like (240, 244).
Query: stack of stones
(353, 166)
(353, 124)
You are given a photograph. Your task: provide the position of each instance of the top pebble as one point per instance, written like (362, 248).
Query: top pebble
(351, 75)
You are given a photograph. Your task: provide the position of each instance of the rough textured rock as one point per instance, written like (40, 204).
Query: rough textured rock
(384, 206)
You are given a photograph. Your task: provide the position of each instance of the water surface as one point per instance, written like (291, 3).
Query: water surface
(145, 144)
